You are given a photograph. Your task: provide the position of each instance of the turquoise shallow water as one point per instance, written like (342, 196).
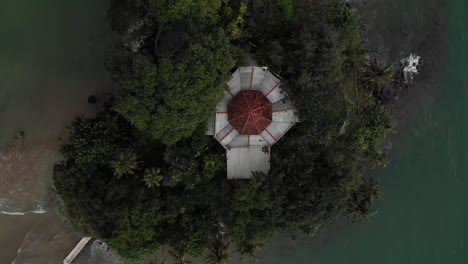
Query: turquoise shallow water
(424, 217)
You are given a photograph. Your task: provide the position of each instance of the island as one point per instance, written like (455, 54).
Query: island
(145, 172)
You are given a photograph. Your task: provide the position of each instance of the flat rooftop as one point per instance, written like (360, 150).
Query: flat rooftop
(241, 162)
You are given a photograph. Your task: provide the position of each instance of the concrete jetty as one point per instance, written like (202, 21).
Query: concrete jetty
(74, 253)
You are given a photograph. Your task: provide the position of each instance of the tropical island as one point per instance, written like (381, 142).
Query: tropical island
(143, 173)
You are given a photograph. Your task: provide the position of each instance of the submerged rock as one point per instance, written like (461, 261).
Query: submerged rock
(19, 139)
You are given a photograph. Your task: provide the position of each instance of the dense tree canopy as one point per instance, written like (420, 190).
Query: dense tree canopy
(142, 173)
(170, 99)
(191, 11)
(169, 96)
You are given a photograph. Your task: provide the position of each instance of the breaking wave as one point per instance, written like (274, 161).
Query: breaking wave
(38, 210)
(24, 180)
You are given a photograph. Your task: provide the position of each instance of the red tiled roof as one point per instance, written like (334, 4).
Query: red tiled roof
(249, 112)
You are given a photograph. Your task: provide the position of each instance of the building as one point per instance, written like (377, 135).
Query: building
(252, 117)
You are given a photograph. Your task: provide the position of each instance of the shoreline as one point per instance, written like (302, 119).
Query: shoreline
(45, 85)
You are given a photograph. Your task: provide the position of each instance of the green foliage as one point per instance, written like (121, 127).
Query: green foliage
(118, 211)
(234, 27)
(153, 177)
(179, 258)
(269, 20)
(107, 139)
(171, 99)
(192, 89)
(313, 186)
(195, 11)
(360, 204)
(376, 75)
(136, 214)
(212, 165)
(287, 7)
(248, 249)
(126, 163)
(183, 166)
(321, 65)
(218, 251)
(248, 202)
(368, 136)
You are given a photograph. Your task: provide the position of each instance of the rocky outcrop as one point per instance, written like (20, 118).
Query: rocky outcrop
(133, 21)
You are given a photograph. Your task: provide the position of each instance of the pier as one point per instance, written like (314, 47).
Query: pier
(78, 248)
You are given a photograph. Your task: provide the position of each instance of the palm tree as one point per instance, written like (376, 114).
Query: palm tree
(248, 249)
(218, 251)
(375, 192)
(153, 177)
(376, 75)
(361, 212)
(126, 163)
(179, 258)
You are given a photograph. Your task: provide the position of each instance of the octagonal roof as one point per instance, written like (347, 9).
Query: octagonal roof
(237, 122)
(249, 112)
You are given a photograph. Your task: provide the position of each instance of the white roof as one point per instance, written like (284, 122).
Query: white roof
(226, 135)
(262, 79)
(275, 131)
(269, 82)
(248, 153)
(210, 128)
(241, 162)
(220, 122)
(234, 83)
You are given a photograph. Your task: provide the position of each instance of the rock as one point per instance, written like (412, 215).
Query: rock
(19, 139)
(410, 64)
(92, 99)
(132, 19)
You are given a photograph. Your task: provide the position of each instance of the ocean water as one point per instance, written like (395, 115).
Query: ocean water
(51, 60)
(52, 55)
(424, 216)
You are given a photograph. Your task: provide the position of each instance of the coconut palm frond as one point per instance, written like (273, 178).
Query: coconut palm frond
(125, 164)
(218, 251)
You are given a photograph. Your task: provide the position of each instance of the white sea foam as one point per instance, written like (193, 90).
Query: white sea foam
(23, 184)
(38, 210)
(410, 63)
